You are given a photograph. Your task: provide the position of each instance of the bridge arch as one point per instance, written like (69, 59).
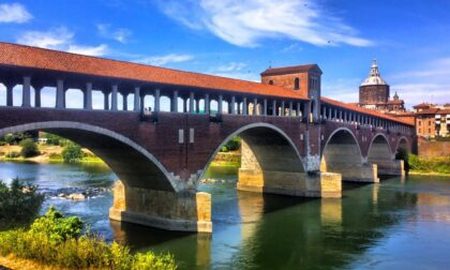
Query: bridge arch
(266, 147)
(403, 143)
(379, 149)
(133, 164)
(342, 154)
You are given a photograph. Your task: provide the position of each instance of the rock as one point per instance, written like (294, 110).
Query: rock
(76, 197)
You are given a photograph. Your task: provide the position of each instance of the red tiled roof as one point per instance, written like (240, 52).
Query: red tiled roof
(422, 106)
(364, 111)
(291, 69)
(38, 58)
(428, 111)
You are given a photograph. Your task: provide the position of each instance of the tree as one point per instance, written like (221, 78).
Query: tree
(29, 148)
(72, 153)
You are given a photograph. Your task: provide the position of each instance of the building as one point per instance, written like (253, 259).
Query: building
(374, 93)
(432, 120)
(306, 79)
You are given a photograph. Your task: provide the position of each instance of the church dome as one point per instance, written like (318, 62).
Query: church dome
(374, 76)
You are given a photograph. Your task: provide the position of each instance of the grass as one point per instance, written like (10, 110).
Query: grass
(55, 245)
(431, 166)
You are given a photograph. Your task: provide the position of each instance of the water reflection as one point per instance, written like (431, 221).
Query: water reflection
(386, 225)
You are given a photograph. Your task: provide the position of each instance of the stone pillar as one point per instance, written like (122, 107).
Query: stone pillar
(125, 101)
(390, 167)
(220, 104)
(137, 99)
(157, 100)
(244, 106)
(87, 104)
(207, 104)
(174, 107)
(290, 108)
(37, 96)
(60, 95)
(282, 108)
(281, 180)
(9, 94)
(197, 105)
(26, 92)
(274, 108)
(265, 107)
(233, 105)
(114, 92)
(191, 102)
(255, 105)
(187, 211)
(105, 100)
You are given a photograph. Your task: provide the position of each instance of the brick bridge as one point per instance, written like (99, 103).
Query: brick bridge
(294, 142)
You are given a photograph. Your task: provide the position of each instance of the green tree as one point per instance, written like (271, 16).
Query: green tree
(19, 203)
(72, 153)
(29, 148)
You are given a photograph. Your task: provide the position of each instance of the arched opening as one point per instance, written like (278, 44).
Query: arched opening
(214, 106)
(296, 84)
(165, 104)
(379, 150)
(2, 94)
(402, 153)
(270, 82)
(342, 154)
(74, 99)
(97, 100)
(17, 95)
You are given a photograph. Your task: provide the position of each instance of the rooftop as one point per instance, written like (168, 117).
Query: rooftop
(291, 69)
(37, 58)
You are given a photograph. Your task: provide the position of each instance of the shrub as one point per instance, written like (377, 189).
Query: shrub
(66, 248)
(12, 154)
(232, 145)
(52, 139)
(29, 148)
(19, 203)
(55, 156)
(72, 153)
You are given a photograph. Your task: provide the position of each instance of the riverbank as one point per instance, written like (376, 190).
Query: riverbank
(438, 166)
(48, 154)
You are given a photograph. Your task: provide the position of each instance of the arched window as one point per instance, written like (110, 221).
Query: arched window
(271, 82)
(297, 83)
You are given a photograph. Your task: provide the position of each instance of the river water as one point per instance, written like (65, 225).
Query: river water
(398, 224)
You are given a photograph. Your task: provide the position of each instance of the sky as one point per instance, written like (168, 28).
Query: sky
(242, 38)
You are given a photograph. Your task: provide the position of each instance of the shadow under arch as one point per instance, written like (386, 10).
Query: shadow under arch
(268, 144)
(134, 165)
(404, 144)
(342, 154)
(379, 149)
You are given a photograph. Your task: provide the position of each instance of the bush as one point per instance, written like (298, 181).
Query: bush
(66, 248)
(72, 153)
(29, 148)
(55, 156)
(12, 154)
(232, 145)
(19, 204)
(52, 139)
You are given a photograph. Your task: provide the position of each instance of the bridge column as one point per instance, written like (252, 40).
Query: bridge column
(274, 107)
(220, 104)
(244, 106)
(265, 107)
(9, 93)
(290, 108)
(137, 99)
(26, 92)
(207, 104)
(255, 103)
(157, 100)
(283, 108)
(298, 109)
(281, 173)
(174, 107)
(87, 99)
(233, 105)
(191, 102)
(114, 93)
(125, 101)
(187, 211)
(60, 95)
(37, 96)
(105, 100)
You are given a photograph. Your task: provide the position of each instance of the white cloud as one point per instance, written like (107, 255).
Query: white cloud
(121, 35)
(235, 70)
(429, 84)
(14, 13)
(247, 23)
(164, 59)
(99, 50)
(232, 67)
(60, 39)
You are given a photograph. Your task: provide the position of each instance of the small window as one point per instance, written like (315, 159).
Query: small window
(297, 83)
(271, 82)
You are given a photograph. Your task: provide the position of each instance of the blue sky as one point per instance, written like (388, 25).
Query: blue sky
(241, 38)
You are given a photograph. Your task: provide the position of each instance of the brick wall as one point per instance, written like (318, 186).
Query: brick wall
(431, 149)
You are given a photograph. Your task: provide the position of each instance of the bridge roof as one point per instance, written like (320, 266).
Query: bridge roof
(355, 108)
(44, 59)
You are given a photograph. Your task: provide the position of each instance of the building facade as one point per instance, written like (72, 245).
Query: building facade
(374, 93)
(432, 120)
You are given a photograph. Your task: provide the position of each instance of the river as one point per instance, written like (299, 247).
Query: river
(398, 224)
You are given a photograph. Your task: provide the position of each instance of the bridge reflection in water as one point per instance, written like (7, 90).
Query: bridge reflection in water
(278, 232)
